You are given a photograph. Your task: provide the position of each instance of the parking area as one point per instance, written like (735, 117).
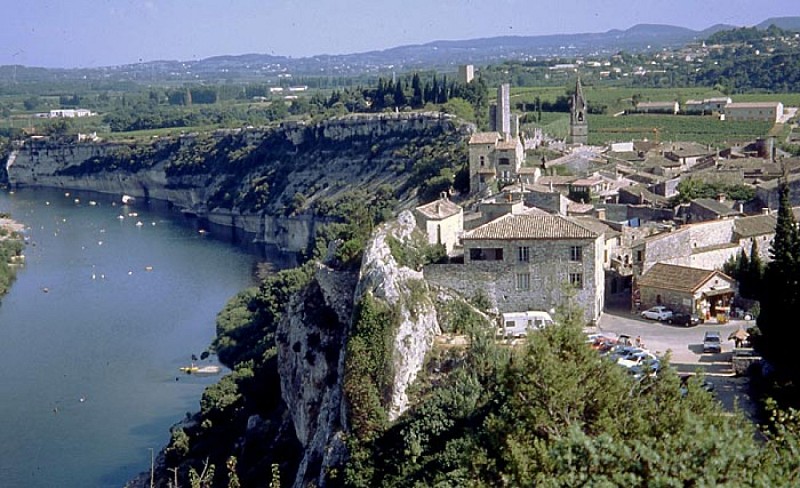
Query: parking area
(685, 346)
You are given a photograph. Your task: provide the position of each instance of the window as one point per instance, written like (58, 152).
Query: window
(504, 161)
(483, 161)
(639, 256)
(524, 254)
(479, 254)
(523, 281)
(576, 253)
(576, 280)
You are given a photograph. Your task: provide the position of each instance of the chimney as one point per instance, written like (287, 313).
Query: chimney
(600, 213)
(721, 197)
(741, 207)
(443, 195)
(765, 211)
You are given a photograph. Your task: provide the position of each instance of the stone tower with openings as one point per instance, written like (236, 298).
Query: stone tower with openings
(578, 125)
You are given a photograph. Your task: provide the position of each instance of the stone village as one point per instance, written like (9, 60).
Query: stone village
(607, 229)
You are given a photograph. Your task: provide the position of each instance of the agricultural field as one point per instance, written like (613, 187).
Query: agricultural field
(704, 130)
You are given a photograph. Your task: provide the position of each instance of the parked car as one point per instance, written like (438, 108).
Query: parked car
(638, 358)
(712, 341)
(685, 319)
(657, 313)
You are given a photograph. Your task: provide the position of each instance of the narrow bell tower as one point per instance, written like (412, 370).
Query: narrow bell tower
(578, 125)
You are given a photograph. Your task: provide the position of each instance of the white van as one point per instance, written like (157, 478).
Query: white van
(517, 324)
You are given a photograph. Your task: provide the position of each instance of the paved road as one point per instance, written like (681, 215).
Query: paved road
(685, 346)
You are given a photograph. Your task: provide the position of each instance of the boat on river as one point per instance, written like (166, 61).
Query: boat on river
(201, 370)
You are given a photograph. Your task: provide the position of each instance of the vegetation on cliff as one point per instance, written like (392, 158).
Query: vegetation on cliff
(297, 170)
(11, 246)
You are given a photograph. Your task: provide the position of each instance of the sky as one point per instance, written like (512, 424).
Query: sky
(92, 33)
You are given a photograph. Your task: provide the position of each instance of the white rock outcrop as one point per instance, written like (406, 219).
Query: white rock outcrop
(419, 326)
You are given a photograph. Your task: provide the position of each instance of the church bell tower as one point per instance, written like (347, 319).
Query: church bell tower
(578, 125)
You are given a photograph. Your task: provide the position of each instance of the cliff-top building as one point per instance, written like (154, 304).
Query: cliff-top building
(496, 156)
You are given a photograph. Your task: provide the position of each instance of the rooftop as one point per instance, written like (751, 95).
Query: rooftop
(507, 145)
(678, 278)
(756, 225)
(527, 226)
(484, 138)
(743, 105)
(719, 208)
(439, 209)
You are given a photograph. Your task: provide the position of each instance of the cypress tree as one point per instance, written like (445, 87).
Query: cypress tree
(755, 273)
(781, 292)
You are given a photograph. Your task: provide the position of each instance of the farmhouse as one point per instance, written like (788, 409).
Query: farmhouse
(766, 111)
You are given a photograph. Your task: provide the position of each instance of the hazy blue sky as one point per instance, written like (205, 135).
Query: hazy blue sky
(88, 33)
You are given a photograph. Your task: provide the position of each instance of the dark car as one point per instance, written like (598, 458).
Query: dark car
(712, 342)
(685, 319)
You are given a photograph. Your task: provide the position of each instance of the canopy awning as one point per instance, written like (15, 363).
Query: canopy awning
(717, 293)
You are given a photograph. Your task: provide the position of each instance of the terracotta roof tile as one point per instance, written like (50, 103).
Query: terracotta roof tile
(756, 225)
(674, 277)
(532, 227)
(484, 138)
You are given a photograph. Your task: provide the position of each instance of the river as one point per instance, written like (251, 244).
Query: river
(94, 329)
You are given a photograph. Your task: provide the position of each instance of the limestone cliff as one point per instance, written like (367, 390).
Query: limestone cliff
(406, 290)
(312, 345)
(274, 182)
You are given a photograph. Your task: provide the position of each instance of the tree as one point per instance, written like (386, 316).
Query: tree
(781, 292)
(754, 275)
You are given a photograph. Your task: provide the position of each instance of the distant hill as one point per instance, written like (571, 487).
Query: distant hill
(443, 55)
(786, 23)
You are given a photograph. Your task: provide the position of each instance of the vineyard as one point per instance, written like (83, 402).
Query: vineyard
(705, 130)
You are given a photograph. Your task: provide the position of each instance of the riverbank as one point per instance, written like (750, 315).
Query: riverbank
(11, 245)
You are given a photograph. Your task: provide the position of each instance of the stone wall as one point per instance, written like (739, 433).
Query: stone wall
(696, 245)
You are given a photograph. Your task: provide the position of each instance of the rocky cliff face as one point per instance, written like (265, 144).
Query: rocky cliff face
(406, 290)
(264, 181)
(313, 342)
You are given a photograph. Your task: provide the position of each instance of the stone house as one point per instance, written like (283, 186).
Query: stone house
(442, 221)
(689, 154)
(758, 228)
(523, 262)
(493, 157)
(706, 245)
(685, 289)
(703, 209)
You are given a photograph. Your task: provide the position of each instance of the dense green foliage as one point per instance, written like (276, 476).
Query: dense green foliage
(747, 271)
(245, 342)
(558, 414)
(416, 252)
(691, 188)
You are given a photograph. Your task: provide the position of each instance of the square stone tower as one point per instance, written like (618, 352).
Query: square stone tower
(503, 114)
